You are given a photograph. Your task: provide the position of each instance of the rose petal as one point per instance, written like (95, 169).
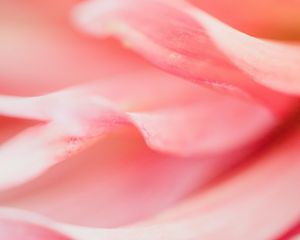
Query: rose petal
(77, 117)
(192, 44)
(236, 208)
(32, 152)
(39, 147)
(196, 129)
(104, 187)
(263, 212)
(84, 112)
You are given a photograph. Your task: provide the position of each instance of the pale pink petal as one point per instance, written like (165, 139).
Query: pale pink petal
(260, 201)
(115, 182)
(185, 121)
(193, 44)
(78, 117)
(35, 149)
(101, 179)
(197, 129)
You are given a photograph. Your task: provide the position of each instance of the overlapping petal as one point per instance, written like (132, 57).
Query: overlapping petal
(194, 44)
(187, 121)
(102, 187)
(263, 192)
(192, 134)
(236, 200)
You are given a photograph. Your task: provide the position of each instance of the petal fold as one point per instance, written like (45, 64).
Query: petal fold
(187, 121)
(194, 45)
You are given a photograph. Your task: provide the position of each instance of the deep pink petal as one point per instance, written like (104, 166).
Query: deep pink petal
(268, 18)
(292, 233)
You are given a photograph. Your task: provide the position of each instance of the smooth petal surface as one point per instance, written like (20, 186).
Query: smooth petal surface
(34, 150)
(187, 121)
(138, 140)
(236, 200)
(194, 45)
(239, 201)
(102, 181)
(170, 129)
(65, 130)
(113, 187)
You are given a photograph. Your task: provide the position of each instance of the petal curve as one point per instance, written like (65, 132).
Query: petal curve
(193, 44)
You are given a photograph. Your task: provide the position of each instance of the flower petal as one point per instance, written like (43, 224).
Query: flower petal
(197, 129)
(35, 149)
(112, 187)
(193, 44)
(163, 120)
(263, 212)
(79, 117)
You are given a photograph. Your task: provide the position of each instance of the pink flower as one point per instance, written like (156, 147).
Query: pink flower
(184, 129)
